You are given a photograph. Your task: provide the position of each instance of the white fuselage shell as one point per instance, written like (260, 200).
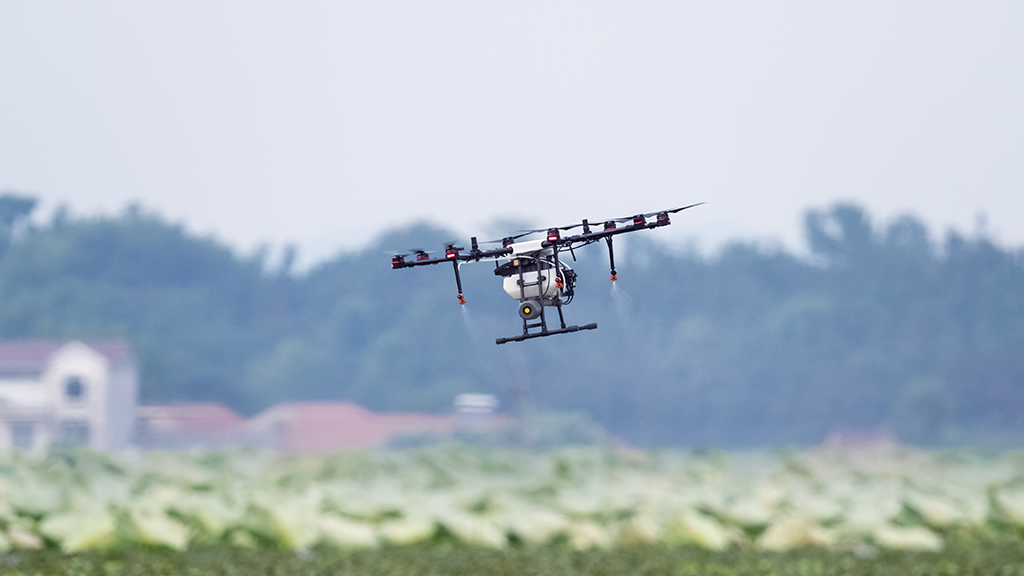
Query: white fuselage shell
(547, 287)
(511, 285)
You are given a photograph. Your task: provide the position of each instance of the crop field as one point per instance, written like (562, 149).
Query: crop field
(980, 558)
(455, 509)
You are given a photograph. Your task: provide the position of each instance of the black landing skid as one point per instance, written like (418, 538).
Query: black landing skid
(545, 332)
(525, 304)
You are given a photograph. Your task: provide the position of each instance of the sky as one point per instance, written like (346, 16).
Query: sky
(323, 124)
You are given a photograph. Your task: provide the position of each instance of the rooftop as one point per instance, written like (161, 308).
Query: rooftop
(34, 355)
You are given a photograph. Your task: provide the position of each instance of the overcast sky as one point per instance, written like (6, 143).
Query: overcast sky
(324, 123)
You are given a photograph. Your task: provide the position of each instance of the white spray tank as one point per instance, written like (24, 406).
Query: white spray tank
(538, 265)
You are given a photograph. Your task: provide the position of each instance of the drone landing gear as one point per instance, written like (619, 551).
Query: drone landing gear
(564, 330)
(532, 309)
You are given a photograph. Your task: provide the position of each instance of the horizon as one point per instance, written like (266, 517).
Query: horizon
(321, 125)
(498, 227)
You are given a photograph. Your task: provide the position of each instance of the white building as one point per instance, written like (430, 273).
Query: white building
(66, 393)
(474, 413)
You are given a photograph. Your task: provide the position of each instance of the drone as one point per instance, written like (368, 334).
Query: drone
(532, 271)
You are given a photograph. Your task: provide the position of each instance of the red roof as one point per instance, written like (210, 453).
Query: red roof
(334, 426)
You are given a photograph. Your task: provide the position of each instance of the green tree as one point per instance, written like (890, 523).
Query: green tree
(14, 212)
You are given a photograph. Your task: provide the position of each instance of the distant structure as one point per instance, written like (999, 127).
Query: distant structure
(55, 393)
(188, 426)
(475, 412)
(332, 426)
(868, 438)
(63, 394)
(301, 427)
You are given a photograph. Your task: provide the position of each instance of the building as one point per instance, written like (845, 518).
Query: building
(195, 426)
(332, 426)
(474, 413)
(301, 427)
(55, 393)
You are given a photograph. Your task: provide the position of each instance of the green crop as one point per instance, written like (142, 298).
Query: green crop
(567, 503)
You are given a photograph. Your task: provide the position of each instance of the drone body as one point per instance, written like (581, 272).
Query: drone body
(532, 272)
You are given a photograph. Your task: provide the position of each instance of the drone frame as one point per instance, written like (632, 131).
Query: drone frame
(553, 242)
(527, 313)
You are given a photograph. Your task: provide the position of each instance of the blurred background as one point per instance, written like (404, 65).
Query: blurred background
(222, 188)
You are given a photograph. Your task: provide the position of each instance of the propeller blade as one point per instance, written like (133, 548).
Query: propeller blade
(672, 211)
(527, 233)
(596, 223)
(649, 214)
(623, 219)
(502, 240)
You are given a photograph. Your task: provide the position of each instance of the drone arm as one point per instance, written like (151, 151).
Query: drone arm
(458, 280)
(639, 223)
(559, 282)
(611, 256)
(474, 257)
(497, 252)
(412, 263)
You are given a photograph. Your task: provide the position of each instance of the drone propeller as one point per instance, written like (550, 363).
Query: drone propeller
(451, 250)
(420, 254)
(571, 226)
(649, 214)
(528, 232)
(510, 239)
(637, 219)
(672, 211)
(398, 257)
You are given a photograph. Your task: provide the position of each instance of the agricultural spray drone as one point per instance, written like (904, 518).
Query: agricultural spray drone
(532, 271)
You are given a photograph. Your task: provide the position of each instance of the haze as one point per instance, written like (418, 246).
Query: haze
(323, 124)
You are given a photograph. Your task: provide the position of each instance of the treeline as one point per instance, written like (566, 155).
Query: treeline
(881, 327)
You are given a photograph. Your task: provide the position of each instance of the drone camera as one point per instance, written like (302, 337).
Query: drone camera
(553, 235)
(529, 310)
